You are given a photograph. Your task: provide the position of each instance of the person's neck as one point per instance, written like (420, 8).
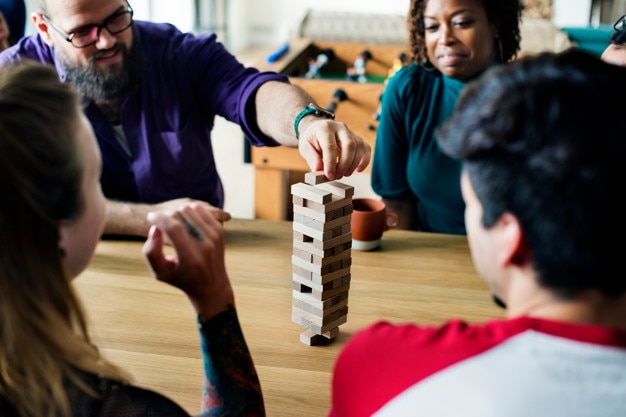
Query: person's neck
(526, 298)
(4, 44)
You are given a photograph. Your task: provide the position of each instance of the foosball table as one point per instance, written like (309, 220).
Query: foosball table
(346, 78)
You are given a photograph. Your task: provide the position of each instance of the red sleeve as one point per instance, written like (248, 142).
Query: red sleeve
(383, 360)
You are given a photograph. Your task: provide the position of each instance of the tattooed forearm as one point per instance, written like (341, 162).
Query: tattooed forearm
(231, 384)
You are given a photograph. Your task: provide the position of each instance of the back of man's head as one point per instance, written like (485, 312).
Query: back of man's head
(618, 38)
(544, 138)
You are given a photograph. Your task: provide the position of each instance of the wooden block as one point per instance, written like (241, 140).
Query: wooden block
(297, 201)
(321, 304)
(340, 222)
(308, 266)
(330, 288)
(332, 333)
(321, 225)
(310, 213)
(300, 237)
(312, 233)
(311, 193)
(296, 286)
(339, 282)
(309, 247)
(319, 329)
(340, 248)
(320, 215)
(329, 277)
(307, 283)
(331, 258)
(331, 243)
(304, 255)
(337, 188)
(337, 214)
(310, 338)
(315, 178)
(326, 293)
(319, 320)
(335, 266)
(301, 305)
(304, 273)
(308, 303)
(336, 203)
(320, 253)
(307, 221)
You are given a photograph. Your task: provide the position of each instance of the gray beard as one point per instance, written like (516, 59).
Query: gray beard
(109, 86)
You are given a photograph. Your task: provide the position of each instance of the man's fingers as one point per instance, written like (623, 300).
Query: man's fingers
(220, 214)
(330, 146)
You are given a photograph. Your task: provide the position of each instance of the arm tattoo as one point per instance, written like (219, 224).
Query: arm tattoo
(231, 384)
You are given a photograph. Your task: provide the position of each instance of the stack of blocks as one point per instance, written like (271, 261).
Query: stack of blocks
(322, 256)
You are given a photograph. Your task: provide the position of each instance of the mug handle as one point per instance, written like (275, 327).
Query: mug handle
(391, 220)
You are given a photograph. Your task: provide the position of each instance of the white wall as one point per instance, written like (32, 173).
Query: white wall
(571, 12)
(269, 22)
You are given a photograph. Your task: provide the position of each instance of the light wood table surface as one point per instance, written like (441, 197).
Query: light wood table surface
(149, 328)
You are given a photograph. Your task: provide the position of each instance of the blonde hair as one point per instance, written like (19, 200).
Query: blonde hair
(44, 342)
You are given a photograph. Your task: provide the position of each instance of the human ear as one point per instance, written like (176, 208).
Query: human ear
(43, 28)
(512, 247)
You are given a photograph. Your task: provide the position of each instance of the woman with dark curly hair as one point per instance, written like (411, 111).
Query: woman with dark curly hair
(451, 42)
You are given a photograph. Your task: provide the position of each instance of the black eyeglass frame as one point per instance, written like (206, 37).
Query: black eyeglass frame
(620, 25)
(69, 37)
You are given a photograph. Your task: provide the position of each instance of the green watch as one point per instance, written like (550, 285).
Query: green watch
(313, 110)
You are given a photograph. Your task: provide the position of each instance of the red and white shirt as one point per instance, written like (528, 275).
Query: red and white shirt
(524, 367)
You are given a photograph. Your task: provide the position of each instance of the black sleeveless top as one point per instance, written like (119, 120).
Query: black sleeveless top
(115, 399)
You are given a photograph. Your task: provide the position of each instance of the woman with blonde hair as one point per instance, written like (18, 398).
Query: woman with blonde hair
(51, 219)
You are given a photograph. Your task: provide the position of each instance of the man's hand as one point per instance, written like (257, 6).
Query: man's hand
(331, 146)
(324, 144)
(131, 218)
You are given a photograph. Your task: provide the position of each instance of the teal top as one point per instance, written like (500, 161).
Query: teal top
(408, 164)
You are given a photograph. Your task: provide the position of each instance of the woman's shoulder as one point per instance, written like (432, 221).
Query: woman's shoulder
(117, 399)
(412, 76)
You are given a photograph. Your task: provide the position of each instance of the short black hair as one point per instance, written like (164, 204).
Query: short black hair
(618, 37)
(543, 139)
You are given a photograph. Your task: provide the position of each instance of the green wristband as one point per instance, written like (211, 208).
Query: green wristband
(313, 110)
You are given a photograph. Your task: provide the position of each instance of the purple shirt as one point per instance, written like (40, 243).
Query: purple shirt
(186, 81)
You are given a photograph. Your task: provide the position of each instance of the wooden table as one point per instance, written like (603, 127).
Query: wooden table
(149, 327)
(276, 168)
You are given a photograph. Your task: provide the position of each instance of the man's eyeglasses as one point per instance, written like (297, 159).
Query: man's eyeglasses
(88, 35)
(620, 25)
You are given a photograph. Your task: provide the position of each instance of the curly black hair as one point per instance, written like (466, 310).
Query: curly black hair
(506, 14)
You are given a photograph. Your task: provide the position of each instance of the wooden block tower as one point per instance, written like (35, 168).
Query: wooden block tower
(322, 255)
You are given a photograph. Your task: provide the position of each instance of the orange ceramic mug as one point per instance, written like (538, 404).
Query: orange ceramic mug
(369, 220)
